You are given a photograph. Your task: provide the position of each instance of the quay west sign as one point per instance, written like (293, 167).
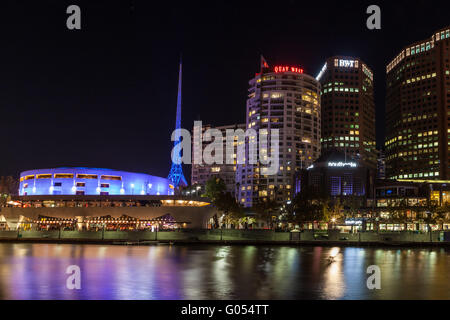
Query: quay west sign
(279, 69)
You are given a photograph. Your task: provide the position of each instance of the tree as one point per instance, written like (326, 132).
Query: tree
(400, 214)
(336, 210)
(8, 187)
(267, 210)
(442, 215)
(351, 208)
(214, 188)
(232, 211)
(311, 206)
(427, 213)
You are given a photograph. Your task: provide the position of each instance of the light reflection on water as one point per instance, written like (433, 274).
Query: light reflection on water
(37, 271)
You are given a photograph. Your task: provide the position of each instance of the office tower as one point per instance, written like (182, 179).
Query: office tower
(418, 110)
(381, 165)
(348, 109)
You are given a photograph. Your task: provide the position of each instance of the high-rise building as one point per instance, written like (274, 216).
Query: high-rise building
(418, 110)
(284, 98)
(201, 173)
(348, 109)
(381, 165)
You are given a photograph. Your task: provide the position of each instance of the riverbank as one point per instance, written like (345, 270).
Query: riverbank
(239, 242)
(228, 237)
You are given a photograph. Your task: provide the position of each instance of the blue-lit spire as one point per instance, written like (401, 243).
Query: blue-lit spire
(176, 171)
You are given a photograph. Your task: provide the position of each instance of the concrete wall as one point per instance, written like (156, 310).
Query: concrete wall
(384, 236)
(197, 216)
(216, 235)
(8, 234)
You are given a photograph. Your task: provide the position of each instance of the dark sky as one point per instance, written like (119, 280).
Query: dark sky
(105, 96)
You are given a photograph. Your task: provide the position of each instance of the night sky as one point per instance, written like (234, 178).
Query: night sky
(105, 96)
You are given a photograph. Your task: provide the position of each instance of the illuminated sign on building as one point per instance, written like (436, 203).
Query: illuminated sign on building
(352, 222)
(278, 69)
(346, 63)
(342, 164)
(324, 68)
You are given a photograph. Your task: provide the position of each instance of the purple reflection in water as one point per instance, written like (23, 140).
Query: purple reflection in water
(37, 271)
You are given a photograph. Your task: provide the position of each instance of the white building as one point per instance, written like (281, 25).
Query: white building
(283, 98)
(227, 172)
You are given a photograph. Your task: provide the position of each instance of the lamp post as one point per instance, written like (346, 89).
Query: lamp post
(333, 221)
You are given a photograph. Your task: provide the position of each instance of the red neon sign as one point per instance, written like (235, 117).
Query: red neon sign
(279, 69)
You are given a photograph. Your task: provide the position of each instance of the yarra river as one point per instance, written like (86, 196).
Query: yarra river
(38, 271)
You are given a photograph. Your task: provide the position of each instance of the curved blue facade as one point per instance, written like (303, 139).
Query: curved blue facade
(91, 181)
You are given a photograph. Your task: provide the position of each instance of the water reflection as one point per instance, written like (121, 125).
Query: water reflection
(37, 271)
(333, 283)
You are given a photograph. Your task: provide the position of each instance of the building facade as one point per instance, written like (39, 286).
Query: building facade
(91, 181)
(336, 176)
(201, 173)
(112, 212)
(348, 109)
(284, 98)
(418, 110)
(381, 165)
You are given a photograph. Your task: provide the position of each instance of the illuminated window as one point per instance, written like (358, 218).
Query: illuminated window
(63, 176)
(44, 176)
(276, 95)
(87, 176)
(114, 178)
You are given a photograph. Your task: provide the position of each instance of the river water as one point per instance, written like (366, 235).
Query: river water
(38, 271)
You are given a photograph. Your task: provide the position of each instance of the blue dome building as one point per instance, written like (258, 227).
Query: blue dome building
(91, 181)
